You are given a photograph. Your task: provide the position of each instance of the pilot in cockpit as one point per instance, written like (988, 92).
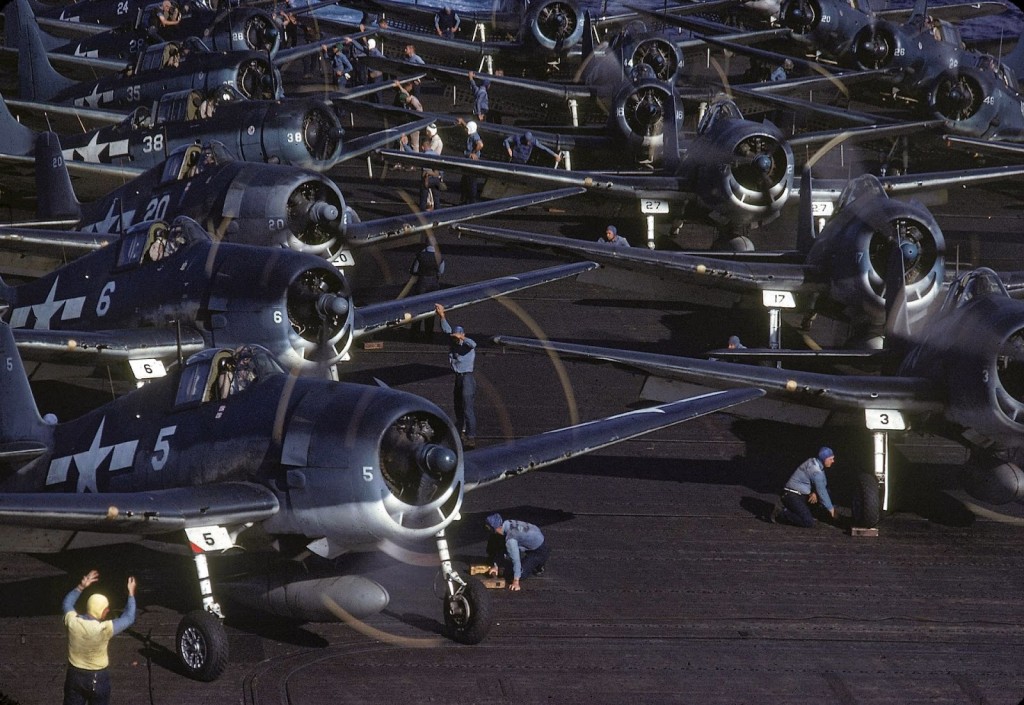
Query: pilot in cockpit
(236, 372)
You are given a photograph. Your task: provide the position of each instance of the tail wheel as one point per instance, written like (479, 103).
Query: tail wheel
(867, 512)
(467, 613)
(202, 646)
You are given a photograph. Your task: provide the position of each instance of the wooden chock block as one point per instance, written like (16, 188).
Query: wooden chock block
(493, 583)
(479, 569)
(863, 531)
(373, 345)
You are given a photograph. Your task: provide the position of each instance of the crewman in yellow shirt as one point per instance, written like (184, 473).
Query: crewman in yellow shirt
(87, 680)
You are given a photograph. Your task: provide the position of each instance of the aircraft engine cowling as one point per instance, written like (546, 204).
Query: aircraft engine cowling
(876, 45)
(855, 249)
(663, 57)
(309, 138)
(260, 33)
(555, 25)
(639, 113)
(313, 217)
(984, 372)
(320, 311)
(751, 182)
(963, 98)
(370, 465)
(801, 16)
(256, 79)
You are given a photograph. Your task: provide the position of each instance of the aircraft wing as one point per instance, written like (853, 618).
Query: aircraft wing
(494, 463)
(825, 391)
(739, 276)
(154, 512)
(69, 244)
(376, 140)
(830, 189)
(622, 184)
(370, 319)
(91, 347)
(91, 181)
(374, 231)
(61, 118)
(956, 12)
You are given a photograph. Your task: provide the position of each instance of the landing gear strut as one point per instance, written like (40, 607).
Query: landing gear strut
(467, 606)
(201, 642)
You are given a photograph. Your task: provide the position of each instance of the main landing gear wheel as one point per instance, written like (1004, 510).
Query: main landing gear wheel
(866, 505)
(202, 645)
(467, 613)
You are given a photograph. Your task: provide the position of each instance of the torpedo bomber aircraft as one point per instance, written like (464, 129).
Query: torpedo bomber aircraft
(230, 451)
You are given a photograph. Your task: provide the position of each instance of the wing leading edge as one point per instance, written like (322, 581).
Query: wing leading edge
(825, 391)
(501, 462)
(139, 513)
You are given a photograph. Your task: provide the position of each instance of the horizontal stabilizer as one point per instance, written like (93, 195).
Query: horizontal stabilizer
(501, 462)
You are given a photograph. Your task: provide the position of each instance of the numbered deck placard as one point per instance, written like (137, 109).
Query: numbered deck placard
(884, 420)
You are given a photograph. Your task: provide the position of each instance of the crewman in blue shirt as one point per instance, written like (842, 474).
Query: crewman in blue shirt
(520, 147)
(524, 546)
(806, 486)
(461, 358)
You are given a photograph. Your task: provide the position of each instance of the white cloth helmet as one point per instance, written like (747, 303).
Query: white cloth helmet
(470, 127)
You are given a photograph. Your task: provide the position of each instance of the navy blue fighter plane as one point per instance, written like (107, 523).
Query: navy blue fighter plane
(160, 291)
(229, 451)
(251, 203)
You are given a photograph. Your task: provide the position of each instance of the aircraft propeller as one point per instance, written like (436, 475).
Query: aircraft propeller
(556, 24)
(801, 15)
(260, 33)
(756, 163)
(873, 46)
(956, 96)
(256, 80)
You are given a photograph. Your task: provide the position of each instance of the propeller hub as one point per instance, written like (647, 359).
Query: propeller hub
(764, 163)
(911, 252)
(438, 461)
(332, 305)
(323, 212)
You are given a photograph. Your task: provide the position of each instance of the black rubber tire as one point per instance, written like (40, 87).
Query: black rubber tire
(467, 616)
(202, 646)
(867, 512)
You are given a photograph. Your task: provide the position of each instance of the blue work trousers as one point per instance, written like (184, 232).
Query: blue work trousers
(83, 687)
(465, 394)
(796, 510)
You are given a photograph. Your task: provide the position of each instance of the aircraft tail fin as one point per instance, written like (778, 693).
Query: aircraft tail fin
(1015, 59)
(37, 79)
(15, 138)
(805, 224)
(21, 428)
(55, 197)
